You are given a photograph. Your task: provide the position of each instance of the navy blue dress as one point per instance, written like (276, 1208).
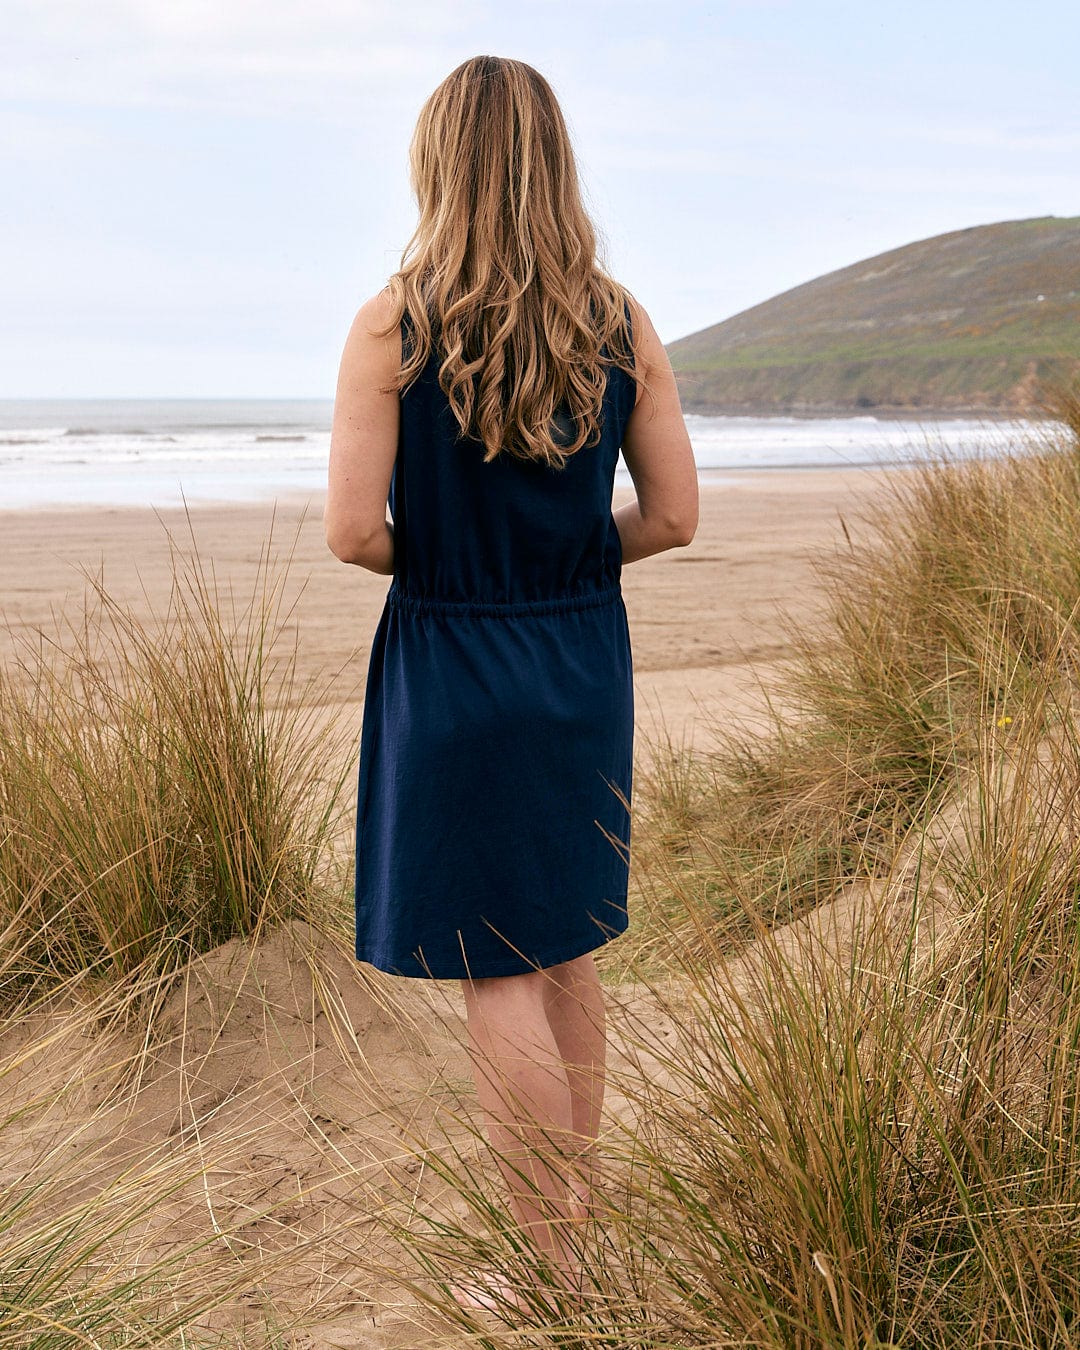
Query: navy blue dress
(493, 824)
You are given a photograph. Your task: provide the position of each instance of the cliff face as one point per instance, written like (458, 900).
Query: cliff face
(969, 321)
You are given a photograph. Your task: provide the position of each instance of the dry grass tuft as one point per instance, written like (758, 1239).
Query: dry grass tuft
(164, 785)
(967, 597)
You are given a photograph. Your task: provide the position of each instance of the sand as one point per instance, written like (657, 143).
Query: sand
(703, 619)
(286, 1094)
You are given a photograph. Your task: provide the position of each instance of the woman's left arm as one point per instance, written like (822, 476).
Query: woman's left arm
(363, 443)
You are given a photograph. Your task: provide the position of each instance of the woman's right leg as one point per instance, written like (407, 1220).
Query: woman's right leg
(574, 1001)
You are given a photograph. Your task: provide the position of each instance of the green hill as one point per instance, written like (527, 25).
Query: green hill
(969, 321)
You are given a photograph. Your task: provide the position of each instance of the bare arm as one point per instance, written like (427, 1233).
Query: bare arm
(657, 451)
(363, 444)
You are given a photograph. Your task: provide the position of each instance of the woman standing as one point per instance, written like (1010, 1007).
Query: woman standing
(485, 395)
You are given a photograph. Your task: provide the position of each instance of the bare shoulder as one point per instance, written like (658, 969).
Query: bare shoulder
(377, 312)
(374, 340)
(375, 317)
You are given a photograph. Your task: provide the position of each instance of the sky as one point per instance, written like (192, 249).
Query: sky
(199, 194)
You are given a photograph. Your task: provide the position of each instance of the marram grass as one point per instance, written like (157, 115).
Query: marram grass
(162, 789)
(163, 785)
(957, 609)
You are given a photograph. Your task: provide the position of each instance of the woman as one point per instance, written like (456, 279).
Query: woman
(485, 395)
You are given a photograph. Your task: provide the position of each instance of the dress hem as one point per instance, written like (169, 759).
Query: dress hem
(513, 966)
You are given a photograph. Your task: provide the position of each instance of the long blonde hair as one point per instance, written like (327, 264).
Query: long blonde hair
(501, 268)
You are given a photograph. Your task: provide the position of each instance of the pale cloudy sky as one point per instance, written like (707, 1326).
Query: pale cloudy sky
(198, 194)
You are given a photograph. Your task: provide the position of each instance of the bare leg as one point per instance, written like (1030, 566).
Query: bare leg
(524, 1091)
(575, 1009)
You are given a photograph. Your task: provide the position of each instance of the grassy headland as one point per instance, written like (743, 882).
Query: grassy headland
(970, 321)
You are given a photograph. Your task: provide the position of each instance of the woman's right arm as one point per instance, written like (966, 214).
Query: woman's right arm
(657, 451)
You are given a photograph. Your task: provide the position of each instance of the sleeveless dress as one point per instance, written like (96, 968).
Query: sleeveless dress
(493, 821)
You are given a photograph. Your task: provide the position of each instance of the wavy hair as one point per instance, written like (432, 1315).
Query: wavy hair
(501, 274)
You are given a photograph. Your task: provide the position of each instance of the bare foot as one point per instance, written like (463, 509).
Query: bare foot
(580, 1204)
(494, 1293)
(487, 1293)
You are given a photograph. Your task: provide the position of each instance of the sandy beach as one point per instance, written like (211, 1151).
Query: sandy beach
(703, 619)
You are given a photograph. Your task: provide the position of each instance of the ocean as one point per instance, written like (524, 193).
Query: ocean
(149, 452)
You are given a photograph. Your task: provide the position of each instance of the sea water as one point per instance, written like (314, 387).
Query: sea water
(145, 452)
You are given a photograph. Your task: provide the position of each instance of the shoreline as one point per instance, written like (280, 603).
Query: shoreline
(756, 475)
(120, 458)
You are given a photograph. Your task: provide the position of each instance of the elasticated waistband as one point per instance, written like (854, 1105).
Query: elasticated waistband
(556, 604)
